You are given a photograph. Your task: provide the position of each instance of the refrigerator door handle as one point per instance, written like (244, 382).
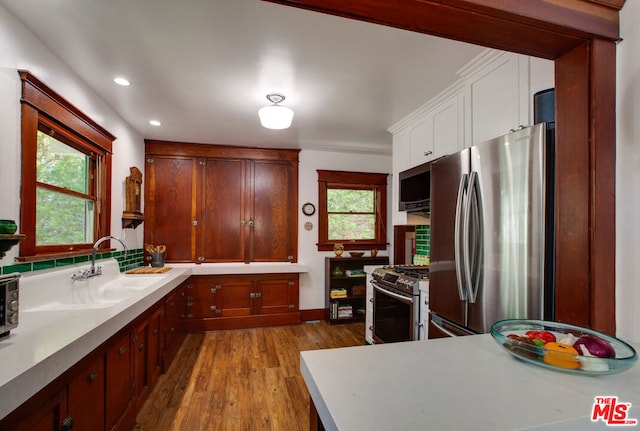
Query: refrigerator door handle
(475, 274)
(461, 276)
(468, 235)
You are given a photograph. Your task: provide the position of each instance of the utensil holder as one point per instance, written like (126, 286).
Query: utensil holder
(157, 259)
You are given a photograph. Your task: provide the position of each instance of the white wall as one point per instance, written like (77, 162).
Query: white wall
(312, 283)
(19, 49)
(628, 175)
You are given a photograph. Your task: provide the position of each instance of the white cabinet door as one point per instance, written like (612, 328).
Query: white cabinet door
(494, 97)
(401, 162)
(446, 136)
(422, 141)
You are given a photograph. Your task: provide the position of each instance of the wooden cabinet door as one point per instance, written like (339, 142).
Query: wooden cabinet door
(140, 352)
(51, 416)
(223, 213)
(273, 231)
(86, 397)
(119, 394)
(237, 297)
(170, 205)
(154, 352)
(278, 295)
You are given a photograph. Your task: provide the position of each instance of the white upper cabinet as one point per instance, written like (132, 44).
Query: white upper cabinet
(499, 87)
(432, 131)
(493, 96)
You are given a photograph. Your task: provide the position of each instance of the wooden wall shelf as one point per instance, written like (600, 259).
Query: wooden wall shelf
(8, 241)
(131, 220)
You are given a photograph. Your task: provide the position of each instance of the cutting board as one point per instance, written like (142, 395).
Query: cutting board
(149, 270)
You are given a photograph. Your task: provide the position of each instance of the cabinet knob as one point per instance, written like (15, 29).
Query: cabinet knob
(67, 423)
(121, 350)
(371, 300)
(291, 283)
(200, 259)
(141, 346)
(213, 308)
(92, 376)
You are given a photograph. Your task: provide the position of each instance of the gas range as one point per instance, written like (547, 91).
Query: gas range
(402, 278)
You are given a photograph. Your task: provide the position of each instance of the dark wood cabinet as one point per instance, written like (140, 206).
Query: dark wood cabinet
(240, 301)
(345, 288)
(49, 416)
(147, 353)
(170, 188)
(105, 389)
(210, 203)
(173, 327)
(87, 396)
(119, 401)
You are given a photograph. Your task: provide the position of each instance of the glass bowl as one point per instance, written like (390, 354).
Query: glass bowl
(558, 357)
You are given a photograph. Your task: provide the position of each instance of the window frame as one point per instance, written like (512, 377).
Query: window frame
(352, 180)
(42, 105)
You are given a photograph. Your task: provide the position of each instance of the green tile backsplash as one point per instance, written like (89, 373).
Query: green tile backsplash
(423, 240)
(134, 259)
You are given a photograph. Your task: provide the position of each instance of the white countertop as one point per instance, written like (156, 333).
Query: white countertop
(243, 268)
(464, 383)
(47, 343)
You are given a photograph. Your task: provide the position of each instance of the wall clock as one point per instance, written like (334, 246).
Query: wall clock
(308, 209)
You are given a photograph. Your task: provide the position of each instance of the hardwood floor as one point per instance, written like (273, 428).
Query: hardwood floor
(245, 379)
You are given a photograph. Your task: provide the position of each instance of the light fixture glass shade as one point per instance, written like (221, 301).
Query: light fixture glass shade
(275, 116)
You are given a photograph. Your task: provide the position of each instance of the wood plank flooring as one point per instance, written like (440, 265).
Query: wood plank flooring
(245, 379)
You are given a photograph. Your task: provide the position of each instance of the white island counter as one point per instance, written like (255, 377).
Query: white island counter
(464, 383)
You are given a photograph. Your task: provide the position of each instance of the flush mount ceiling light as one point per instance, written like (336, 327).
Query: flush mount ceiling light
(121, 81)
(275, 116)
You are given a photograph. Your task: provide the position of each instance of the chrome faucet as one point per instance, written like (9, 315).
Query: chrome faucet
(93, 270)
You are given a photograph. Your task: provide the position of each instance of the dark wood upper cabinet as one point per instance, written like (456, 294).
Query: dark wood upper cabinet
(211, 203)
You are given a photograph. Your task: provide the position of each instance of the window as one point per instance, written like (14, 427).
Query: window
(352, 210)
(66, 170)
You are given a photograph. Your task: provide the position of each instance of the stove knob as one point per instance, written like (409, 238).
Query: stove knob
(13, 318)
(12, 306)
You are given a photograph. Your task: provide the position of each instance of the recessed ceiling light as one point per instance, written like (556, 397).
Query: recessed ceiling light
(155, 123)
(121, 81)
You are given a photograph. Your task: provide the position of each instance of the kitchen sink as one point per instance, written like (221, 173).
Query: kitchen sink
(61, 293)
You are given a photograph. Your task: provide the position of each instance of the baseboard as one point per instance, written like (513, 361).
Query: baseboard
(314, 314)
(242, 322)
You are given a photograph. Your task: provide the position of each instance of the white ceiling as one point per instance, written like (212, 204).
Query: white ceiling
(204, 67)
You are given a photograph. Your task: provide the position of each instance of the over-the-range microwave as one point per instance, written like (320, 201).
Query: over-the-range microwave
(415, 188)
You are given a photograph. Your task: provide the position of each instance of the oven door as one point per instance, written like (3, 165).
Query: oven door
(394, 316)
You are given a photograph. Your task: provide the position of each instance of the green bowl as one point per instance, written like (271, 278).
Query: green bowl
(8, 227)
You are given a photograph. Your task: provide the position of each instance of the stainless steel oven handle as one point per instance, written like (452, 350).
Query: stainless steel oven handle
(393, 294)
(442, 328)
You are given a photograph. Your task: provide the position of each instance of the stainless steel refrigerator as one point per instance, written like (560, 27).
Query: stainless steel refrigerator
(492, 233)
